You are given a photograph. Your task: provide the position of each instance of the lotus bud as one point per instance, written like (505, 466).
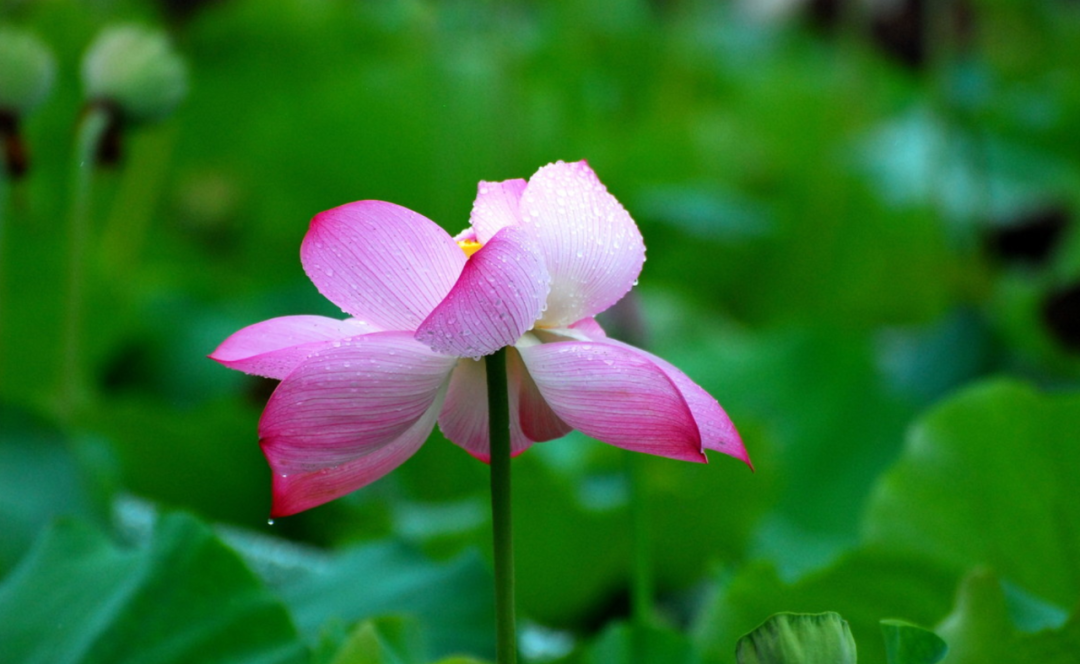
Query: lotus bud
(136, 71)
(27, 70)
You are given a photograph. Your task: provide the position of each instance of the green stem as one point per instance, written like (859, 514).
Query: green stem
(499, 423)
(4, 188)
(641, 590)
(89, 135)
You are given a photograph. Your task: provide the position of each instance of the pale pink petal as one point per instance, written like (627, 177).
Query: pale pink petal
(464, 416)
(349, 402)
(592, 248)
(498, 297)
(537, 420)
(590, 328)
(380, 262)
(273, 348)
(616, 396)
(299, 491)
(496, 206)
(717, 431)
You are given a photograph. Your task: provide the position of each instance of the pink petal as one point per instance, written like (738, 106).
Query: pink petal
(497, 299)
(615, 395)
(381, 262)
(273, 348)
(297, 492)
(717, 431)
(349, 403)
(496, 206)
(590, 328)
(537, 420)
(592, 248)
(464, 416)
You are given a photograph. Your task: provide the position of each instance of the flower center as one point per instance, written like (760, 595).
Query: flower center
(470, 247)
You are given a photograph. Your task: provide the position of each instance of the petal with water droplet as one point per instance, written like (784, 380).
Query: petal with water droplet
(362, 257)
(717, 431)
(592, 247)
(630, 403)
(496, 207)
(497, 299)
(331, 429)
(273, 348)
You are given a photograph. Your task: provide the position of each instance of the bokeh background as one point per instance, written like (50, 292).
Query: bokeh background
(862, 239)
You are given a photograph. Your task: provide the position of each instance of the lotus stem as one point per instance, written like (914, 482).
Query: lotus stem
(499, 423)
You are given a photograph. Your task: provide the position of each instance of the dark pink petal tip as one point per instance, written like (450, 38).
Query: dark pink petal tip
(615, 395)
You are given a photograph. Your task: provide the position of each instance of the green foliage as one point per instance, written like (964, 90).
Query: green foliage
(627, 643)
(183, 596)
(980, 629)
(910, 644)
(1001, 457)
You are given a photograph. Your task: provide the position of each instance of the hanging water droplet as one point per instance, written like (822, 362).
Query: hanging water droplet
(269, 522)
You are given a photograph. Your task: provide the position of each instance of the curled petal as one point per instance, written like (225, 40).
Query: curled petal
(347, 403)
(614, 395)
(498, 297)
(496, 206)
(273, 348)
(592, 248)
(717, 431)
(464, 416)
(380, 262)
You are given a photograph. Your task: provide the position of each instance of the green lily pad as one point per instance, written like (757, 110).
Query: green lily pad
(184, 597)
(980, 629)
(910, 644)
(989, 477)
(450, 601)
(862, 586)
(45, 474)
(625, 643)
(798, 638)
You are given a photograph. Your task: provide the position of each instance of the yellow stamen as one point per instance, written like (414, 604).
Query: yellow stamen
(470, 247)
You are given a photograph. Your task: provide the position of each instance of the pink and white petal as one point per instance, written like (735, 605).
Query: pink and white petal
(590, 328)
(537, 420)
(348, 402)
(464, 416)
(593, 249)
(298, 491)
(273, 348)
(380, 262)
(718, 433)
(496, 207)
(616, 396)
(498, 297)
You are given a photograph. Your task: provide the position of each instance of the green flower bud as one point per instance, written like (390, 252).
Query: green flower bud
(137, 70)
(27, 70)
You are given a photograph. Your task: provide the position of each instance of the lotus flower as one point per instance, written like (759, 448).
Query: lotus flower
(359, 396)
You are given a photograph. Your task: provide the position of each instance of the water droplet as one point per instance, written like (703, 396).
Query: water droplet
(269, 522)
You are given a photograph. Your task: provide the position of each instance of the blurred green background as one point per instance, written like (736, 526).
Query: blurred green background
(861, 232)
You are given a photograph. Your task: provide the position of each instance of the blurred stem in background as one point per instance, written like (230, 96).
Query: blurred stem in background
(128, 223)
(91, 131)
(624, 321)
(641, 589)
(501, 525)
